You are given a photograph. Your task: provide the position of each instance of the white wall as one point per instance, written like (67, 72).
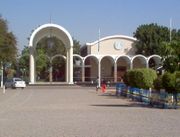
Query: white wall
(107, 47)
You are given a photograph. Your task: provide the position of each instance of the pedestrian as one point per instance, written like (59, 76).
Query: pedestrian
(97, 84)
(103, 86)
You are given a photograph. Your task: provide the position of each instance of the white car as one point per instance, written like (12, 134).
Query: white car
(15, 83)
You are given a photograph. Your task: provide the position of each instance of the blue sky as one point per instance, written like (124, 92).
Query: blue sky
(83, 18)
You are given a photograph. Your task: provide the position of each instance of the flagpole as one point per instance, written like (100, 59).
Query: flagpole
(99, 35)
(50, 18)
(99, 65)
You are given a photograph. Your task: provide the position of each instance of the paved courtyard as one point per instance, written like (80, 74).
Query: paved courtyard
(80, 112)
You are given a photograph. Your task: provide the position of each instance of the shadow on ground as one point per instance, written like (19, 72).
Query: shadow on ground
(123, 105)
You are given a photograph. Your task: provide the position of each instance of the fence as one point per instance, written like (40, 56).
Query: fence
(152, 98)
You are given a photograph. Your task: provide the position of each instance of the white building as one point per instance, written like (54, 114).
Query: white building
(112, 56)
(108, 58)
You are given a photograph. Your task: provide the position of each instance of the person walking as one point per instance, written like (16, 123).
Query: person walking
(97, 84)
(103, 86)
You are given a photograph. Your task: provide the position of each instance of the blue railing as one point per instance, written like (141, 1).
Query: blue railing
(153, 98)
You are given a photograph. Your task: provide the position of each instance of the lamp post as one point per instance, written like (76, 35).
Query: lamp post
(2, 71)
(24, 72)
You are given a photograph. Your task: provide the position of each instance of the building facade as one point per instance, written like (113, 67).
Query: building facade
(110, 57)
(107, 58)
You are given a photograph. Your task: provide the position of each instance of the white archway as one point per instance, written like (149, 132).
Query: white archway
(78, 68)
(156, 61)
(60, 72)
(142, 61)
(107, 68)
(122, 64)
(61, 33)
(87, 63)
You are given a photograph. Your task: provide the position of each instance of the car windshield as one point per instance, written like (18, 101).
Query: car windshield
(17, 79)
(9, 80)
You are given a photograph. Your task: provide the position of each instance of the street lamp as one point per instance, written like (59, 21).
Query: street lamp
(2, 71)
(23, 73)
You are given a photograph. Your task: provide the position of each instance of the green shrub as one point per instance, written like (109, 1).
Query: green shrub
(141, 78)
(145, 78)
(169, 81)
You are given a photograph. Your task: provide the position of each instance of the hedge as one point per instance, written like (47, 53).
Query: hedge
(171, 81)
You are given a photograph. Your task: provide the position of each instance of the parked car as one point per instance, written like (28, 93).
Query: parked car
(15, 83)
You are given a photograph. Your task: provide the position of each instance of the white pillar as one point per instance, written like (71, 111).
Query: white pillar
(131, 64)
(70, 58)
(99, 72)
(147, 64)
(115, 72)
(67, 65)
(83, 71)
(32, 74)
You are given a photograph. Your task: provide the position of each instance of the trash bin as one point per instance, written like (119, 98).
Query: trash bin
(120, 89)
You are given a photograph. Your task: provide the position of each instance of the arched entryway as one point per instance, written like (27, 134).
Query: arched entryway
(154, 61)
(122, 65)
(52, 30)
(139, 61)
(78, 68)
(58, 68)
(107, 68)
(91, 65)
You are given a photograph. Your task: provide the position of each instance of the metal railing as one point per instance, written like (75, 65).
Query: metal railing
(152, 98)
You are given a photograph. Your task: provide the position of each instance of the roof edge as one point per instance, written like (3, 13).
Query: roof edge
(110, 37)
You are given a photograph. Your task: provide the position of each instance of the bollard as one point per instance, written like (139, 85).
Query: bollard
(150, 91)
(4, 90)
(119, 91)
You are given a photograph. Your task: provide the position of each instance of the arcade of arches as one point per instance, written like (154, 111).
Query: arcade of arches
(114, 56)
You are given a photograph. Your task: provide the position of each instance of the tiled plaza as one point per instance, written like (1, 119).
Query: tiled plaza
(80, 112)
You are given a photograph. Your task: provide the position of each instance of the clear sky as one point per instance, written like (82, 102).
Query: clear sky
(83, 18)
